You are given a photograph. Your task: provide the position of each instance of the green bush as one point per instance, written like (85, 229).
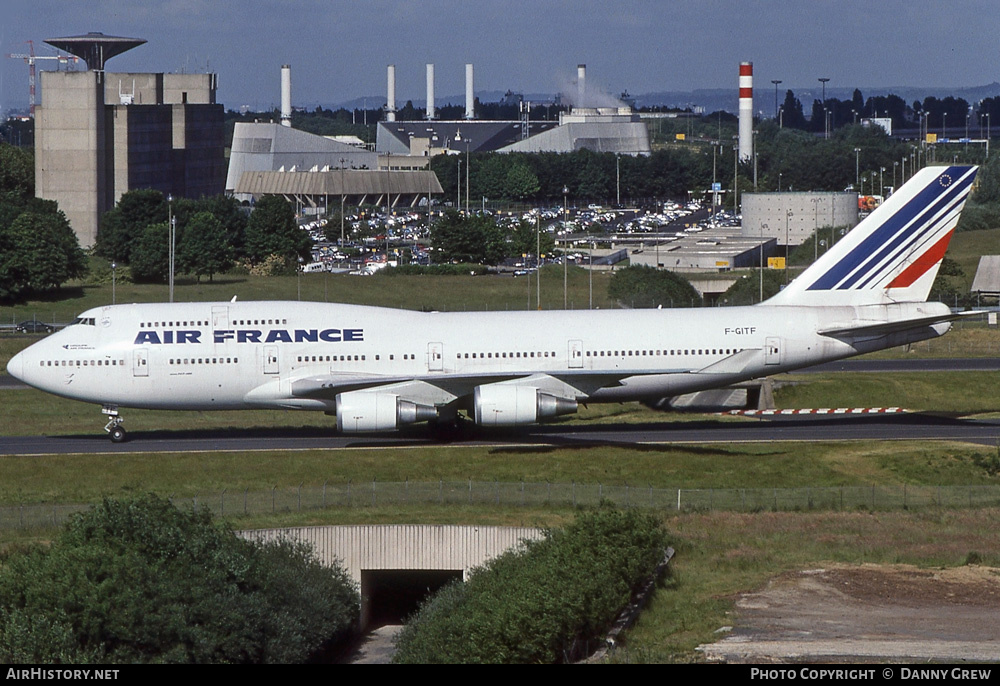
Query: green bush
(142, 581)
(531, 604)
(642, 286)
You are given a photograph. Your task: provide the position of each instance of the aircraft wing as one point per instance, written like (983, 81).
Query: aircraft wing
(441, 389)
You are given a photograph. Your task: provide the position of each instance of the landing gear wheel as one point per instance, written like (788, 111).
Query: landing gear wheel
(114, 425)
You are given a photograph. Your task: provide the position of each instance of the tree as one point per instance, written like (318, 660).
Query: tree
(204, 248)
(38, 251)
(642, 286)
(151, 254)
(476, 239)
(521, 182)
(525, 239)
(746, 289)
(17, 173)
(226, 210)
(54, 253)
(139, 580)
(792, 115)
(272, 231)
(122, 226)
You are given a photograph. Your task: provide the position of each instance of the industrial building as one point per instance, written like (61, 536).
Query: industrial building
(311, 191)
(267, 147)
(792, 218)
(275, 159)
(601, 129)
(717, 249)
(430, 138)
(99, 135)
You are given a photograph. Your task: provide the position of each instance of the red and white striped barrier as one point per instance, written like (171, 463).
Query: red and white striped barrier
(823, 410)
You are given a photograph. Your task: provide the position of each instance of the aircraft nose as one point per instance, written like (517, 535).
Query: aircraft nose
(16, 366)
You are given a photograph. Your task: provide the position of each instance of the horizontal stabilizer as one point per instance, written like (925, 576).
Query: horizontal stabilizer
(885, 328)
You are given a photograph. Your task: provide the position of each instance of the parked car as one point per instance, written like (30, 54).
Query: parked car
(33, 327)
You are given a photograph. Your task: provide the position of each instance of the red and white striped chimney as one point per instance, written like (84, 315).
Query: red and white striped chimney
(746, 110)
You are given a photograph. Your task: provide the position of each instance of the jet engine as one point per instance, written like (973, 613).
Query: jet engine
(372, 411)
(508, 405)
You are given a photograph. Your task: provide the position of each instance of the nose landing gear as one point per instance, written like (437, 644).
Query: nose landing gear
(114, 426)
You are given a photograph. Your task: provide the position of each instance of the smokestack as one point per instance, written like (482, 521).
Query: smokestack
(286, 95)
(746, 110)
(581, 84)
(430, 91)
(390, 104)
(470, 100)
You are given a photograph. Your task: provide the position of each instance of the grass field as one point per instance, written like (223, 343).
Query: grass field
(87, 478)
(442, 293)
(721, 555)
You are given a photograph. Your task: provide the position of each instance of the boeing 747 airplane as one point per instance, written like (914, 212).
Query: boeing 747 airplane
(379, 369)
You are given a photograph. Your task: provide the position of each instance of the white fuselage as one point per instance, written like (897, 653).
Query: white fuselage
(203, 356)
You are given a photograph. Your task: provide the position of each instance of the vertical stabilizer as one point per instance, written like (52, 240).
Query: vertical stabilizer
(894, 254)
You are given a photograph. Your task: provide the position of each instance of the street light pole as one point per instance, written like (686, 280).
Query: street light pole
(763, 226)
(826, 131)
(775, 82)
(538, 261)
(591, 270)
(788, 215)
(172, 225)
(565, 261)
(342, 193)
(815, 202)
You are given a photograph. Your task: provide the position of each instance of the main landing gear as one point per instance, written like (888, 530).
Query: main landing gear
(114, 426)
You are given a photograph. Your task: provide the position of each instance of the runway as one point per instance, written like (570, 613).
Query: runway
(782, 429)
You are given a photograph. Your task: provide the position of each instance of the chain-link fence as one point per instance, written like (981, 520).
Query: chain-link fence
(372, 494)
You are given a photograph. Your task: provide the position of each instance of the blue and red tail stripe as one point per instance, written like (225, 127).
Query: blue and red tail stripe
(918, 222)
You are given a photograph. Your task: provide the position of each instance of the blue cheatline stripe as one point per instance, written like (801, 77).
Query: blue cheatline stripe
(900, 221)
(919, 226)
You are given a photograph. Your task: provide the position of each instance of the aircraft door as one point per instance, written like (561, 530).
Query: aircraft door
(772, 350)
(140, 362)
(435, 357)
(270, 359)
(575, 351)
(220, 317)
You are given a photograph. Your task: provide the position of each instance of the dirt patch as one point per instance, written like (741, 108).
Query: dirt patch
(872, 613)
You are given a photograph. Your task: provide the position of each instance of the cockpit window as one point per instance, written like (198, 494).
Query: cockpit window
(88, 321)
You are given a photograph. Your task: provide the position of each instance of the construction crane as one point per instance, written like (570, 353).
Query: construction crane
(30, 60)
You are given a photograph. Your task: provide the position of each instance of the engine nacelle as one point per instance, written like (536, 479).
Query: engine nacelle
(371, 411)
(508, 405)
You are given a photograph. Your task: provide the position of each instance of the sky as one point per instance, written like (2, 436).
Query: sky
(339, 49)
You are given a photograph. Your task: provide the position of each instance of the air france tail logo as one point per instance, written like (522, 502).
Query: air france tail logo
(252, 336)
(914, 238)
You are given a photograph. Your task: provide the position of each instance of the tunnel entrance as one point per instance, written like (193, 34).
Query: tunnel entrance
(389, 596)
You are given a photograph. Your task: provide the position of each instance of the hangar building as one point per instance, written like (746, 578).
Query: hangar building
(271, 147)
